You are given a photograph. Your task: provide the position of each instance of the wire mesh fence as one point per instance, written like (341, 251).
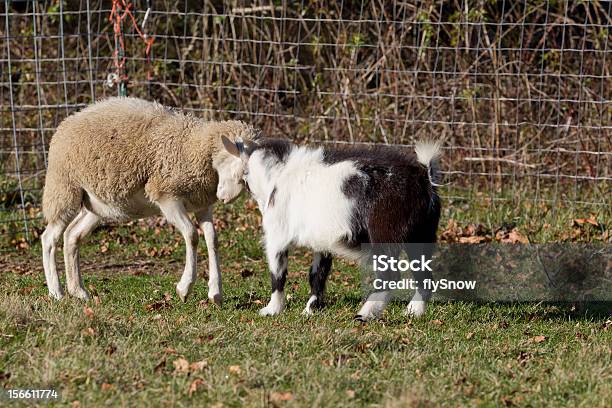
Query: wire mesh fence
(520, 92)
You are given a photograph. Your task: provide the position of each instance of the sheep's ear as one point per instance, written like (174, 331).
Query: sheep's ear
(231, 147)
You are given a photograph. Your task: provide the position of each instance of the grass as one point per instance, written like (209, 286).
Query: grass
(136, 344)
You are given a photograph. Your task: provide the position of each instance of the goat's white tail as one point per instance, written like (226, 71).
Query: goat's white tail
(428, 154)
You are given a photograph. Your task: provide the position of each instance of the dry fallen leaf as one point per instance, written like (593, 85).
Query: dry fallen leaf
(198, 366)
(515, 237)
(472, 240)
(88, 311)
(438, 322)
(27, 290)
(538, 339)
(591, 220)
(469, 335)
(88, 332)
(107, 386)
(235, 369)
(181, 365)
(277, 398)
(195, 385)
(160, 366)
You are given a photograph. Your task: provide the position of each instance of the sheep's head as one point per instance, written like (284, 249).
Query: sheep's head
(231, 168)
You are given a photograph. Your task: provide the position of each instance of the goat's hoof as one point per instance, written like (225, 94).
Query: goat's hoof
(361, 319)
(415, 308)
(216, 298)
(307, 311)
(270, 311)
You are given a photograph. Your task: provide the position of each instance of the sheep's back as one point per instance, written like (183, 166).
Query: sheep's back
(115, 147)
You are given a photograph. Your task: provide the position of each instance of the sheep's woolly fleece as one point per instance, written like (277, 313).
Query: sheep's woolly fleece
(119, 146)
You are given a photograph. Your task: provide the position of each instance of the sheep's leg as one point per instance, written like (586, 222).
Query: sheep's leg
(321, 265)
(78, 229)
(277, 260)
(49, 239)
(175, 213)
(205, 219)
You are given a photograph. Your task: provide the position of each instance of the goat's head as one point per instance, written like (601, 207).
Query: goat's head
(262, 158)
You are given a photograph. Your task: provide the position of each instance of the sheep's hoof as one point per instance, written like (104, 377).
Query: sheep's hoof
(182, 294)
(361, 319)
(56, 295)
(307, 311)
(79, 293)
(217, 299)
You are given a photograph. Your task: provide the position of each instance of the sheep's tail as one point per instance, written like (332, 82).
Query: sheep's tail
(428, 154)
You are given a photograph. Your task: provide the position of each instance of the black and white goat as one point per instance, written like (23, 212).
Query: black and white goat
(332, 200)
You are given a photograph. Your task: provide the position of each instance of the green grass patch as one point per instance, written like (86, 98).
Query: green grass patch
(135, 343)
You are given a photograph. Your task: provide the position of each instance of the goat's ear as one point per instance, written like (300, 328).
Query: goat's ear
(231, 147)
(249, 146)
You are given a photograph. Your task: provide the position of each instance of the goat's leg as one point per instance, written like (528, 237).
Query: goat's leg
(177, 215)
(418, 303)
(78, 229)
(319, 271)
(378, 300)
(49, 240)
(277, 260)
(205, 219)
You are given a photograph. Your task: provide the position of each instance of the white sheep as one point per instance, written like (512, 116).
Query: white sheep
(126, 158)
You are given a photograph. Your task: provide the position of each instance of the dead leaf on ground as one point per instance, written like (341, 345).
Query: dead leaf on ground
(181, 365)
(437, 322)
(161, 365)
(88, 332)
(513, 237)
(472, 240)
(198, 365)
(195, 385)
(27, 290)
(538, 339)
(107, 386)
(277, 398)
(582, 221)
(88, 311)
(235, 369)
(164, 303)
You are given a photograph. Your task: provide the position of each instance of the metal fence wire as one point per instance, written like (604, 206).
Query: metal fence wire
(519, 91)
